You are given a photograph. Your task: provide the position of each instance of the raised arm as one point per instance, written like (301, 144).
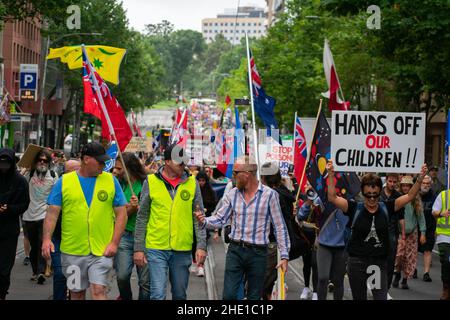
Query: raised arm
(339, 202)
(400, 202)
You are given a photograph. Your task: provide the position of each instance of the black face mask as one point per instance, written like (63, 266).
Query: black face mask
(4, 166)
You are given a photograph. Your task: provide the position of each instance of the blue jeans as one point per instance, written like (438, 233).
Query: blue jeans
(124, 267)
(59, 280)
(174, 264)
(241, 261)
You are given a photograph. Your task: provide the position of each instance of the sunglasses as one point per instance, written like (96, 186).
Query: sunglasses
(371, 195)
(235, 173)
(43, 160)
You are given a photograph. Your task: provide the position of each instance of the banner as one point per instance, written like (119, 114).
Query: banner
(378, 141)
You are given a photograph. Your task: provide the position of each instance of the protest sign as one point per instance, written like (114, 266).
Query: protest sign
(139, 144)
(282, 154)
(28, 157)
(378, 141)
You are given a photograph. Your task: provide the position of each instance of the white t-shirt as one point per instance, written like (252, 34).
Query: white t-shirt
(437, 206)
(39, 191)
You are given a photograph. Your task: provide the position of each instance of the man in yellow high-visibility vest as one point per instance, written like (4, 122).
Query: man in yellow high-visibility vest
(442, 213)
(166, 226)
(93, 220)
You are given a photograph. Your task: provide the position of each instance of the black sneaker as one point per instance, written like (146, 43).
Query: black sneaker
(396, 280)
(41, 279)
(415, 274)
(26, 261)
(405, 284)
(426, 277)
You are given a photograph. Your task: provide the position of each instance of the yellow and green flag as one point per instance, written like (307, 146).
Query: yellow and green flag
(106, 60)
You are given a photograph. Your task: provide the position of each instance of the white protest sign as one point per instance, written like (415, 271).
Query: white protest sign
(274, 152)
(378, 141)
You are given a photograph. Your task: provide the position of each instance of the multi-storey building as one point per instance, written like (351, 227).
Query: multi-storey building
(234, 24)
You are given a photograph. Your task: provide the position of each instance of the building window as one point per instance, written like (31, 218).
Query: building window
(215, 31)
(231, 24)
(249, 24)
(237, 23)
(215, 23)
(205, 24)
(254, 24)
(221, 24)
(259, 24)
(226, 31)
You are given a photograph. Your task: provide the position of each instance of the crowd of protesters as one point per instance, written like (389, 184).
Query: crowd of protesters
(157, 215)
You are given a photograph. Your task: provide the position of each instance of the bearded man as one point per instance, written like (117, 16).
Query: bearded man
(41, 180)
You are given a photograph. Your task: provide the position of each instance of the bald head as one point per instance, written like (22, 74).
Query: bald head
(245, 163)
(72, 165)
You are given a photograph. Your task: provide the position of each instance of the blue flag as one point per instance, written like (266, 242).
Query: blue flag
(113, 152)
(239, 136)
(264, 104)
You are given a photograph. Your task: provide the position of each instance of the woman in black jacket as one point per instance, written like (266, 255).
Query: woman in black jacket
(14, 201)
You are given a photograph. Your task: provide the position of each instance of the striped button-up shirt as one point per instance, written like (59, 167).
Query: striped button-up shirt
(251, 222)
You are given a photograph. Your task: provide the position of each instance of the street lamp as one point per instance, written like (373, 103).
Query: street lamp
(44, 76)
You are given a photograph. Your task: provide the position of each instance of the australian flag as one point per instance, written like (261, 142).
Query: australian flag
(263, 103)
(347, 184)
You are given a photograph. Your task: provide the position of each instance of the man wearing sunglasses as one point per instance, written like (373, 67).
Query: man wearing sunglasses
(252, 208)
(92, 205)
(41, 180)
(165, 227)
(369, 243)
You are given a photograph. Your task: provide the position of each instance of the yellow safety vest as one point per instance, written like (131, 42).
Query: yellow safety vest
(170, 226)
(87, 230)
(443, 224)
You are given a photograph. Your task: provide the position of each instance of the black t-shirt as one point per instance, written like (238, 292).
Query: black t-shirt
(394, 227)
(367, 241)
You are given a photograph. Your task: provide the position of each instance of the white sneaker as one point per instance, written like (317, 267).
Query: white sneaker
(389, 297)
(193, 268)
(200, 272)
(305, 294)
(315, 297)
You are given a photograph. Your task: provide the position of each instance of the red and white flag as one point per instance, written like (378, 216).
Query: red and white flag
(335, 102)
(180, 131)
(113, 118)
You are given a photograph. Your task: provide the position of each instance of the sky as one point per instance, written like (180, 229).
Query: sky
(184, 14)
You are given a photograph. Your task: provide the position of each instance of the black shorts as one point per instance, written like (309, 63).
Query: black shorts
(430, 235)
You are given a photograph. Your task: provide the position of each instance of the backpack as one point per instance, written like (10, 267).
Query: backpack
(52, 173)
(359, 208)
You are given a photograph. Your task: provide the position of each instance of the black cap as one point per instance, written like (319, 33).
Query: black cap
(178, 151)
(95, 150)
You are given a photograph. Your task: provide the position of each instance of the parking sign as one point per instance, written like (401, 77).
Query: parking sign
(28, 81)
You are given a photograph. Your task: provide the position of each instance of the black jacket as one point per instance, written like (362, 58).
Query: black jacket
(13, 193)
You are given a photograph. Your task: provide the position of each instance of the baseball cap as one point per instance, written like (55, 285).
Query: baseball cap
(95, 150)
(179, 155)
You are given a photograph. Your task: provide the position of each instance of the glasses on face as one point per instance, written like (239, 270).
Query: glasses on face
(235, 173)
(371, 195)
(43, 160)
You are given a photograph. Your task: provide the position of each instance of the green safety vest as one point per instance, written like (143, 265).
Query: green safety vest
(87, 230)
(443, 224)
(170, 226)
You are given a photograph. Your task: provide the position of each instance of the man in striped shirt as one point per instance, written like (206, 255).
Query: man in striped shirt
(252, 207)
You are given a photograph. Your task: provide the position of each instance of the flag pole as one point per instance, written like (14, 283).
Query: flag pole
(309, 150)
(255, 138)
(105, 112)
